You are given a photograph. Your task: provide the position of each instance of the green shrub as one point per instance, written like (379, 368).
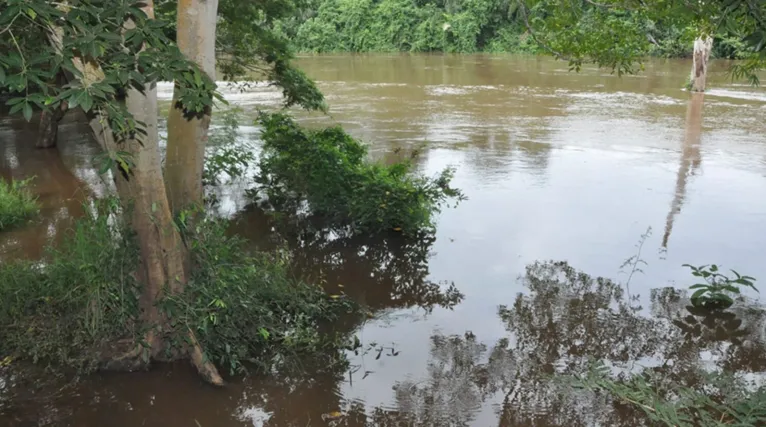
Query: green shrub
(73, 308)
(17, 203)
(247, 308)
(328, 170)
(69, 308)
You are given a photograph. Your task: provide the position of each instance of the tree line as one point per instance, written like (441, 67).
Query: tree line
(495, 26)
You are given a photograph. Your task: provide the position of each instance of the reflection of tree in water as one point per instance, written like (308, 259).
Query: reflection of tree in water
(60, 192)
(566, 320)
(691, 159)
(389, 271)
(495, 150)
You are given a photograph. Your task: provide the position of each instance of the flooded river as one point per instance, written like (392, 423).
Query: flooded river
(586, 168)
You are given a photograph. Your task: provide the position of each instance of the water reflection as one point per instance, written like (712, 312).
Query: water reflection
(567, 319)
(60, 192)
(690, 159)
(387, 272)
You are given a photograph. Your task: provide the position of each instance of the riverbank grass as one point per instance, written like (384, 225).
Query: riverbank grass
(17, 203)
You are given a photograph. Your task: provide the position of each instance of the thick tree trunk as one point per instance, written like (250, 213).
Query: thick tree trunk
(698, 77)
(188, 133)
(690, 159)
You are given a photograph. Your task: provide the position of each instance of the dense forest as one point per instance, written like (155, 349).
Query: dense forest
(496, 26)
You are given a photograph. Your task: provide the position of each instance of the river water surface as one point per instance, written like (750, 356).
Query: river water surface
(556, 165)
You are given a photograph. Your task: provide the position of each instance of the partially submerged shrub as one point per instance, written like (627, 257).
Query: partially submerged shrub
(69, 308)
(328, 170)
(74, 307)
(17, 203)
(246, 308)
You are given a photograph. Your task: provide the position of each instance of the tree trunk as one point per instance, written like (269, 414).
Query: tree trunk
(690, 159)
(188, 133)
(142, 191)
(702, 48)
(49, 119)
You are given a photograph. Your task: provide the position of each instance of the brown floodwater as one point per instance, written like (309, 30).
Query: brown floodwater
(556, 166)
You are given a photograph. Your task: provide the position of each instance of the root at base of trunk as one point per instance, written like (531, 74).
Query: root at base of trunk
(205, 367)
(139, 358)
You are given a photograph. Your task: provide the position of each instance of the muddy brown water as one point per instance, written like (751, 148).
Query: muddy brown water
(556, 166)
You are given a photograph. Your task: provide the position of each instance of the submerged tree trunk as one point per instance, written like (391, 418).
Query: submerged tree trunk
(49, 127)
(698, 77)
(690, 159)
(188, 133)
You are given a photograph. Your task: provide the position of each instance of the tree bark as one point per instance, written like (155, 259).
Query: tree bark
(49, 119)
(188, 133)
(698, 77)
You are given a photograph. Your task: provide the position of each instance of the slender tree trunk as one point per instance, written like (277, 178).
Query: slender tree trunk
(698, 77)
(188, 133)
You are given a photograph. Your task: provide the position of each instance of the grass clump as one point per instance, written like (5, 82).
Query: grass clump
(328, 170)
(17, 203)
(716, 399)
(68, 308)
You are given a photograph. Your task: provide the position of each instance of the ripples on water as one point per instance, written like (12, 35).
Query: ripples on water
(556, 166)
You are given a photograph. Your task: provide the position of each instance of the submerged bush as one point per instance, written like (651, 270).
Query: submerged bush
(328, 169)
(17, 203)
(246, 308)
(73, 308)
(69, 308)
(716, 399)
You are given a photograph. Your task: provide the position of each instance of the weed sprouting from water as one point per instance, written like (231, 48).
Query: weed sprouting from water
(717, 288)
(721, 399)
(17, 203)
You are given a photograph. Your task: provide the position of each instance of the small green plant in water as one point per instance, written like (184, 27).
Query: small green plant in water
(327, 171)
(17, 203)
(716, 292)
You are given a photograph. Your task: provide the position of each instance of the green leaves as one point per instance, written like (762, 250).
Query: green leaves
(90, 46)
(327, 171)
(714, 293)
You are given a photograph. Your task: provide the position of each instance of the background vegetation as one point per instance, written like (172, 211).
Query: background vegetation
(468, 26)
